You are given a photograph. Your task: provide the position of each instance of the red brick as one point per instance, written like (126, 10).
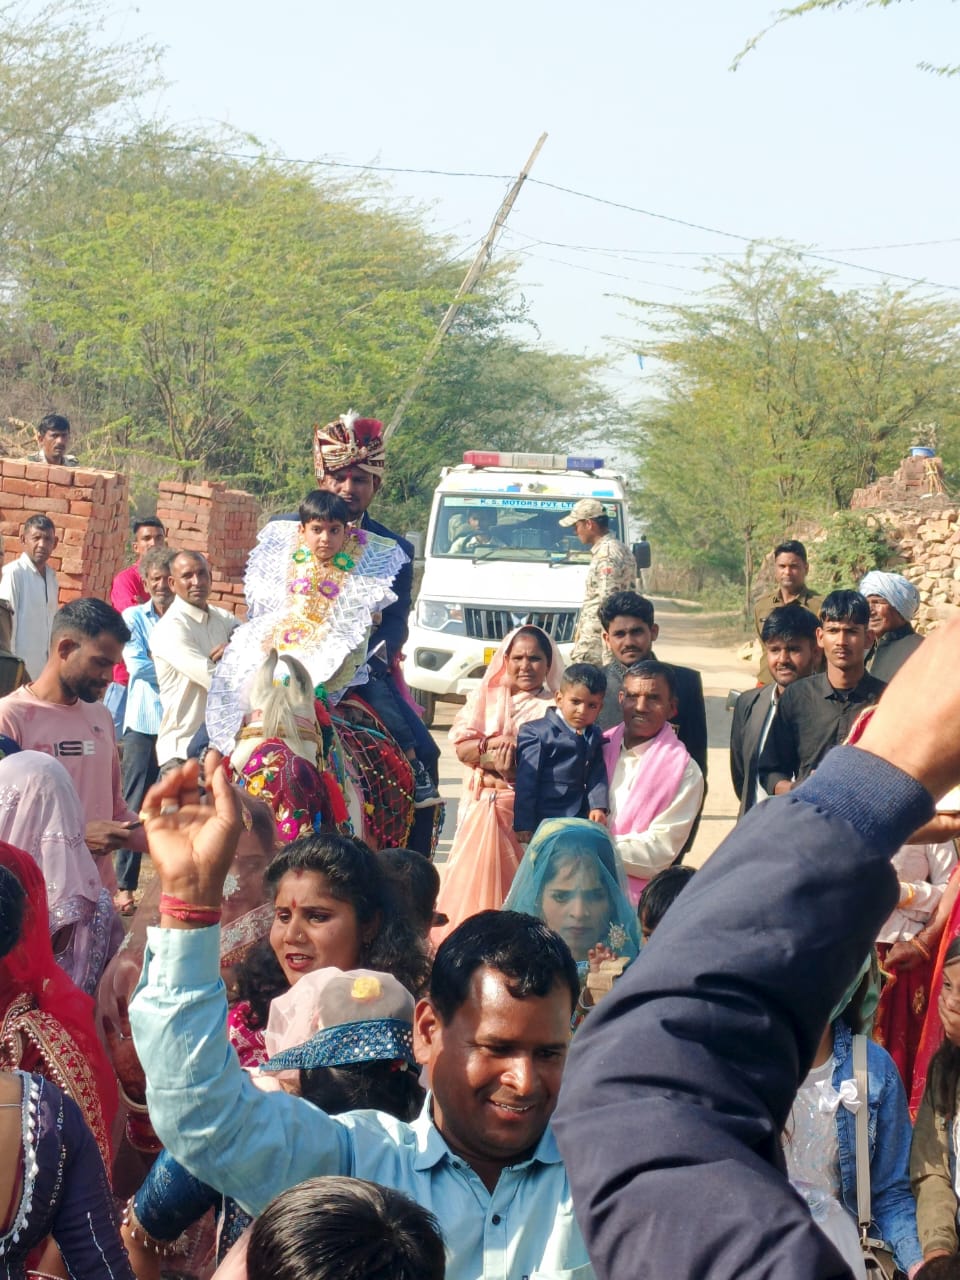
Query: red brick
(56, 506)
(73, 538)
(60, 475)
(81, 508)
(38, 471)
(81, 476)
(71, 521)
(22, 487)
(13, 501)
(15, 469)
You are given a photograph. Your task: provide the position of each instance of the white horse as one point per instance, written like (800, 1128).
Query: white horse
(283, 709)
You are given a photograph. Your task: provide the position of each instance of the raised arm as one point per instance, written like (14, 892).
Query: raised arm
(679, 1084)
(246, 1143)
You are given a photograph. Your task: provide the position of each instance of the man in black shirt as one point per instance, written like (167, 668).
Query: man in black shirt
(817, 713)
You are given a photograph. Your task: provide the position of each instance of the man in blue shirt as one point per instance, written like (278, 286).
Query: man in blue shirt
(142, 711)
(492, 1035)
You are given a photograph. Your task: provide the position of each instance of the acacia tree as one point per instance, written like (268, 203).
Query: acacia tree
(810, 6)
(204, 302)
(779, 397)
(59, 81)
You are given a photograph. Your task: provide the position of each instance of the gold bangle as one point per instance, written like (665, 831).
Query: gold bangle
(127, 1101)
(919, 946)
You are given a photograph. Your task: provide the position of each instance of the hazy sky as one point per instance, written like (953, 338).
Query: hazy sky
(827, 136)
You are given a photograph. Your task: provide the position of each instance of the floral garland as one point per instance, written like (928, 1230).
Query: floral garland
(313, 588)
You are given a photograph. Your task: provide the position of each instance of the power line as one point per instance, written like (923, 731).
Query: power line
(595, 271)
(201, 149)
(735, 235)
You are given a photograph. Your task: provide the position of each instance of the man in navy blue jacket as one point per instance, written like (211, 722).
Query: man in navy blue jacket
(561, 771)
(678, 1086)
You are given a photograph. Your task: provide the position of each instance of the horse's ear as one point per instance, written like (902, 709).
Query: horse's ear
(300, 677)
(263, 682)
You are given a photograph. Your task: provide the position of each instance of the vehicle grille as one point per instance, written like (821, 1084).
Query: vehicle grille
(494, 624)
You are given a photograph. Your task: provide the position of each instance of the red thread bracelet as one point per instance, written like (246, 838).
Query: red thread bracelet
(188, 912)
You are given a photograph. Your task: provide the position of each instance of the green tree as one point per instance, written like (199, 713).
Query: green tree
(59, 81)
(206, 300)
(203, 313)
(779, 397)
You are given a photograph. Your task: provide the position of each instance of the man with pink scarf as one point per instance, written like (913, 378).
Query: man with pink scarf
(655, 787)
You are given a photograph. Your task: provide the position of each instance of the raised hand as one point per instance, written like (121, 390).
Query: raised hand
(916, 725)
(192, 843)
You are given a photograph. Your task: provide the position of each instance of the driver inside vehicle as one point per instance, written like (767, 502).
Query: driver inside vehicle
(480, 532)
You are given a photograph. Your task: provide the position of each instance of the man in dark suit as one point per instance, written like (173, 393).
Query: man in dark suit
(790, 644)
(630, 630)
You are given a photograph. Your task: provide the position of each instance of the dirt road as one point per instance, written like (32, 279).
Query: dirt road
(686, 638)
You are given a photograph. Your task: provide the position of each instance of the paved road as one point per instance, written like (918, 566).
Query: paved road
(685, 638)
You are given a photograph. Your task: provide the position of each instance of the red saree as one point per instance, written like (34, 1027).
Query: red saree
(47, 1021)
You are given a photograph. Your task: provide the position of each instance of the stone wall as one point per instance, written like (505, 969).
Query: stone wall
(90, 511)
(923, 525)
(220, 523)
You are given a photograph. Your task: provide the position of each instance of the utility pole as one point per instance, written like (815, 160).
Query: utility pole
(469, 280)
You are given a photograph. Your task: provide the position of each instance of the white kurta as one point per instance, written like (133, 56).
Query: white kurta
(181, 644)
(645, 853)
(33, 596)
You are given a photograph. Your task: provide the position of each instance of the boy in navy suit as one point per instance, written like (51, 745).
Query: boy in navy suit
(560, 767)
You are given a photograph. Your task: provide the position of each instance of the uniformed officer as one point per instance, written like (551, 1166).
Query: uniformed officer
(612, 568)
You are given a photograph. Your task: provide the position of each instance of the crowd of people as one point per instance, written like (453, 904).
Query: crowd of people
(290, 1054)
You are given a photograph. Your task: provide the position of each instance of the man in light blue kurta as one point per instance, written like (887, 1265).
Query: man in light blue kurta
(481, 1155)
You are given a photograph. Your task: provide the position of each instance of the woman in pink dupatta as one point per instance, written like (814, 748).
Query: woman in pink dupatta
(40, 812)
(519, 685)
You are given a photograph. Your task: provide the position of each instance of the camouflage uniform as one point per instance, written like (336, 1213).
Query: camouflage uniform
(612, 568)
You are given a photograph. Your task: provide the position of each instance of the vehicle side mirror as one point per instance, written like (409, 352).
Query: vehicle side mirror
(641, 554)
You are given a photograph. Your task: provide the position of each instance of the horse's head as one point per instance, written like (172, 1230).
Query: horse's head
(282, 707)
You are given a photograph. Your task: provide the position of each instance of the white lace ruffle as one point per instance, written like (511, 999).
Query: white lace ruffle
(336, 662)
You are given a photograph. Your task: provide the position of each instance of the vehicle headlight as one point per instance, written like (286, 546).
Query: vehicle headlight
(436, 615)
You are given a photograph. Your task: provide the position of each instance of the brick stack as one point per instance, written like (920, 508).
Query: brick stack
(220, 523)
(916, 479)
(923, 524)
(90, 510)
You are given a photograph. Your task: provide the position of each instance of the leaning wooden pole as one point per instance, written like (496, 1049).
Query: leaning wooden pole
(469, 280)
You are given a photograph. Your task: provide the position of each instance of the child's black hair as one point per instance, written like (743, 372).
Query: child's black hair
(660, 893)
(417, 883)
(321, 504)
(585, 673)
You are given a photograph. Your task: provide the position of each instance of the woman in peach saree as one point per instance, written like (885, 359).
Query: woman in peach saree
(519, 685)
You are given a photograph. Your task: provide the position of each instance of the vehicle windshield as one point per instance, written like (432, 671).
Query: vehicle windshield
(504, 526)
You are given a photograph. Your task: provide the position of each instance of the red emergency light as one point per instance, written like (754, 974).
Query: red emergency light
(530, 461)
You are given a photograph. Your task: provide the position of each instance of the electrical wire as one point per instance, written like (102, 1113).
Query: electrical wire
(735, 235)
(199, 148)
